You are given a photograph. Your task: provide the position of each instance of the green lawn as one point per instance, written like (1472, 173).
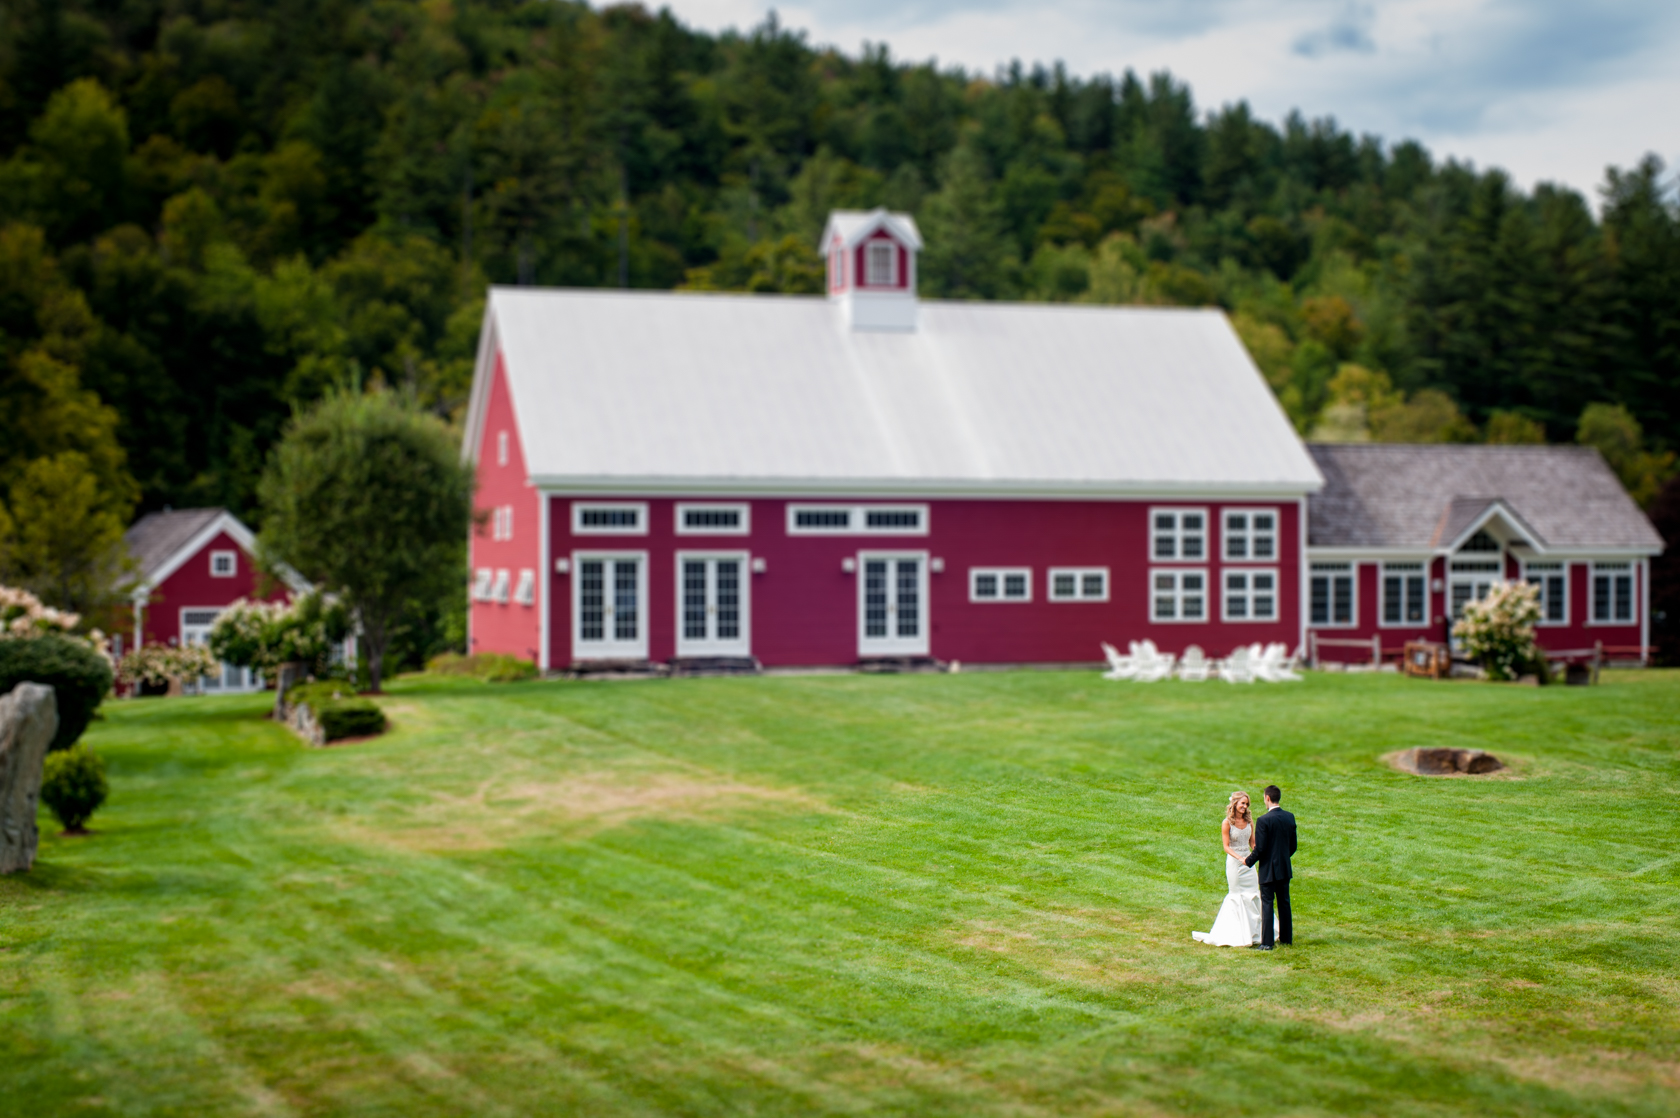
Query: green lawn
(961, 895)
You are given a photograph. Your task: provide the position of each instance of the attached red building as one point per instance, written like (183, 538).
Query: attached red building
(810, 480)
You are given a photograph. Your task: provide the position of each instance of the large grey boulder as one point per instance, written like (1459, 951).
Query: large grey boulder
(28, 721)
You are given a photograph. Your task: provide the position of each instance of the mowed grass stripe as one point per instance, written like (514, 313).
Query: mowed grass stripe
(920, 895)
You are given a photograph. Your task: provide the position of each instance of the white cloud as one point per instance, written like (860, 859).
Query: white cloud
(1549, 89)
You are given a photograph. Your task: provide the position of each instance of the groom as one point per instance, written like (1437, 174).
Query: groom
(1274, 842)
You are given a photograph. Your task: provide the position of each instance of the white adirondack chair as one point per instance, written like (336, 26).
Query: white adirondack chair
(1237, 667)
(1273, 667)
(1194, 666)
(1153, 664)
(1119, 667)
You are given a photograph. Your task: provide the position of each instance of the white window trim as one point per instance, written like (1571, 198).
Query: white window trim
(1277, 595)
(525, 593)
(499, 588)
(501, 448)
(1248, 535)
(640, 508)
(858, 519)
(1178, 596)
(1078, 574)
(922, 644)
(1352, 573)
(1178, 534)
(233, 564)
(639, 648)
(870, 275)
(974, 574)
(1611, 567)
(1407, 568)
(689, 647)
(1545, 568)
(742, 509)
(483, 579)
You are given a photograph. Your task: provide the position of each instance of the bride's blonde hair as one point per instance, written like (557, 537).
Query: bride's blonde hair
(1246, 818)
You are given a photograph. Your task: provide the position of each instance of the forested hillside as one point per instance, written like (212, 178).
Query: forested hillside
(215, 210)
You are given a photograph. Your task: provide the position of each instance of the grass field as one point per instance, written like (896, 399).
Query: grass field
(922, 895)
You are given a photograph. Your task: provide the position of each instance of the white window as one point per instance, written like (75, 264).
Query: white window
(1078, 584)
(857, 520)
(1250, 595)
(1405, 594)
(525, 593)
(609, 606)
(713, 600)
(713, 520)
(1612, 594)
(483, 579)
(501, 448)
(1177, 595)
(501, 523)
(224, 564)
(1551, 581)
(1331, 595)
(1251, 534)
(881, 264)
(1178, 535)
(1000, 584)
(627, 518)
(499, 589)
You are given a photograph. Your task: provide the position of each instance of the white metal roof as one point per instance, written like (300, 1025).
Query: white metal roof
(743, 392)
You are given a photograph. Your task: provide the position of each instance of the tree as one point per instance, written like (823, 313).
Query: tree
(1617, 435)
(367, 497)
(63, 537)
(1511, 428)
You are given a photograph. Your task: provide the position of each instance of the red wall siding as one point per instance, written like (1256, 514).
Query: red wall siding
(192, 586)
(861, 271)
(804, 608)
(506, 627)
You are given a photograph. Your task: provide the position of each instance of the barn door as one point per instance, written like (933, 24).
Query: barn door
(892, 604)
(609, 607)
(712, 615)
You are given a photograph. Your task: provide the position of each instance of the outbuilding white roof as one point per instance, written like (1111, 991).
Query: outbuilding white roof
(707, 392)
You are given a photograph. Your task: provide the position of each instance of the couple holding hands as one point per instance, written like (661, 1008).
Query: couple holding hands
(1245, 919)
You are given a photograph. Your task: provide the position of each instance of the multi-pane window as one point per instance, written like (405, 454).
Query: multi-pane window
(1178, 535)
(501, 522)
(1551, 582)
(865, 520)
(1250, 534)
(1078, 584)
(1251, 595)
(620, 519)
(1405, 594)
(525, 592)
(483, 579)
(1612, 594)
(1330, 594)
(224, 564)
(713, 520)
(1178, 595)
(501, 448)
(499, 589)
(1000, 584)
(881, 264)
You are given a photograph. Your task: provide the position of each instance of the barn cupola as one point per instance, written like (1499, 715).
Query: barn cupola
(872, 267)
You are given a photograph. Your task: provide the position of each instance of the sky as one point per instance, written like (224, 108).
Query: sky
(1549, 90)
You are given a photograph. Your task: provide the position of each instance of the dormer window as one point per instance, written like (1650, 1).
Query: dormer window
(881, 264)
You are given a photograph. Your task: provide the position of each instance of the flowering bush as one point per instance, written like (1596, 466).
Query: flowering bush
(1498, 631)
(156, 665)
(264, 635)
(23, 615)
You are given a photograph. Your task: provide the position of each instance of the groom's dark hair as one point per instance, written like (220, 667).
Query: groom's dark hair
(1274, 793)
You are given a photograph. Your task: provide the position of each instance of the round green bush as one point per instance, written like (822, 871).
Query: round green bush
(79, 677)
(73, 786)
(351, 718)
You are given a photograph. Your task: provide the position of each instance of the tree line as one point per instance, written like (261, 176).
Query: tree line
(214, 214)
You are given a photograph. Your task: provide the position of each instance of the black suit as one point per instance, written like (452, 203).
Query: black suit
(1274, 842)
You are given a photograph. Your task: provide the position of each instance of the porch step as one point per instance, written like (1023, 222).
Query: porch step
(716, 665)
(895, 665)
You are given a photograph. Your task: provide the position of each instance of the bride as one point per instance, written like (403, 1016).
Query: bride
(1238, 923)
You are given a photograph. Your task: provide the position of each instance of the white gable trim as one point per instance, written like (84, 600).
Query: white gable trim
(863, 226)
(484, 370)
(1498, 509)
(243, 536)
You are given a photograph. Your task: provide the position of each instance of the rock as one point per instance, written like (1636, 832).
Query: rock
(28, 721)
(1426, 761)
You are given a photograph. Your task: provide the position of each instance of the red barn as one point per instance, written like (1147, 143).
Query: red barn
(1401, 538)
(194, 563)
(826, 480)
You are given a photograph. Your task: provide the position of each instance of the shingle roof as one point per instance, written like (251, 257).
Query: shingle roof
(743, 390)
(1423, 497)
(155, 538)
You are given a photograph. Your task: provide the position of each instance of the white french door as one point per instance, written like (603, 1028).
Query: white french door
(713, 617)
(892, 604)
(609, 606)
(195, 632)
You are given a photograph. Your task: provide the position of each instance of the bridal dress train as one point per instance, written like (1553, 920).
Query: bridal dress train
(1238, 922)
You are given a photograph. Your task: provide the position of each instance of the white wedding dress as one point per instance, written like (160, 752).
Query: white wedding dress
(1238, 922)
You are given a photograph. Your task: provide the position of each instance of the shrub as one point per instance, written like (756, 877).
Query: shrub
(350, 718)
(490, 667)
(79, 676)
(73, 786)
(264, 635)
(1498, 631)
(316, 696)
(157, 665)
